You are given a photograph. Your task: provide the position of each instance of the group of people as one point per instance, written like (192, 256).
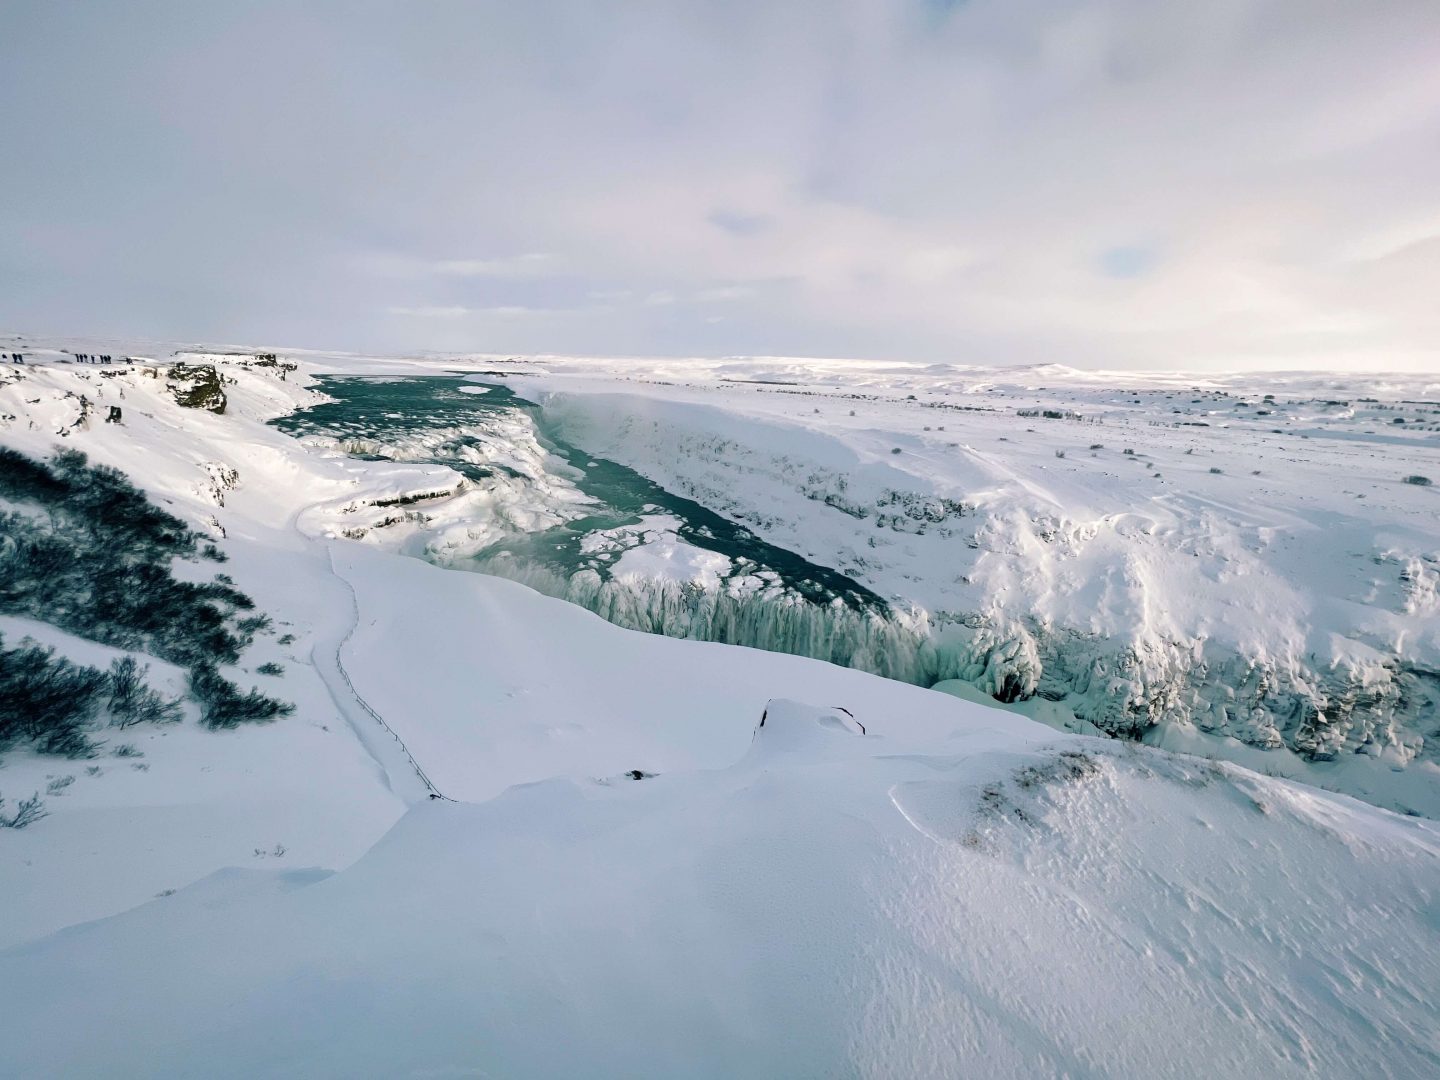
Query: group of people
(80, 358)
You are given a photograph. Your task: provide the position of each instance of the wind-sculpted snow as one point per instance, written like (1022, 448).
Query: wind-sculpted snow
(832, 903)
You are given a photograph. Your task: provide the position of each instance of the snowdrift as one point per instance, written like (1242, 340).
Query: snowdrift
(832, 904)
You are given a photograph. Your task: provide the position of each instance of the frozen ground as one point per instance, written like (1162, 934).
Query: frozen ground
(626, 876)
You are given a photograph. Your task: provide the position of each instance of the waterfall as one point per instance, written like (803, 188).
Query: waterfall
(773, 618)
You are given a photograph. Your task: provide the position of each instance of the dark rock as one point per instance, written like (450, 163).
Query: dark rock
(196, 387)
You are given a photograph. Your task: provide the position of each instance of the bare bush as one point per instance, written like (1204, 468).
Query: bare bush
(27, 812)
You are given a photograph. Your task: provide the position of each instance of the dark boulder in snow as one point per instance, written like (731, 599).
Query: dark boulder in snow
(196, 387)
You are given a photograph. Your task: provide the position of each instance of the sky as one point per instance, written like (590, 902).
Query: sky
(1098, 183)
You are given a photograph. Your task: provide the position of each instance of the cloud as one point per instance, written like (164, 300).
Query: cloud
(724, 293)
(738, 224)
(529, 265)
(1105, 182)
(506, 311)
(454, 311)
(1127, 261)
(389, 265)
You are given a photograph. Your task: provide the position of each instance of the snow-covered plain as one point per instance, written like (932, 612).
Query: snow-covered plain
(627, 874)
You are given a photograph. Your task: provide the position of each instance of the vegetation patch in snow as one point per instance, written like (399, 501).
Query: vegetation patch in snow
(84, 550)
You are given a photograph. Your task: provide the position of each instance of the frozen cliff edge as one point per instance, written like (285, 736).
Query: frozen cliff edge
(1179, 619)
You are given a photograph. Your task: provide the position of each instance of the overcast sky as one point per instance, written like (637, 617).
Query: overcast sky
(1139, 183)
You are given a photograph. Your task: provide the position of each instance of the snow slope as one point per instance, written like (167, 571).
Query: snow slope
(526, 687)
(188, 802)
(830, 904)
(629, 874)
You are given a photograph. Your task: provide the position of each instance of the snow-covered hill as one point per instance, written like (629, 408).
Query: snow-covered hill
(500, 836)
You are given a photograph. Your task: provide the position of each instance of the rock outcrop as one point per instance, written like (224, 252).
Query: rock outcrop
(196, 386)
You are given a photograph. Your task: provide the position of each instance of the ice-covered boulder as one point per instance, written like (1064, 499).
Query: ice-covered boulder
(792, 727)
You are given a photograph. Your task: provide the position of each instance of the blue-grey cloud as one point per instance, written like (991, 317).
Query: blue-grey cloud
(738, 224)
(1128, 260)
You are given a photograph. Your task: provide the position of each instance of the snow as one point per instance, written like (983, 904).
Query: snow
(16, 631)
(880, 880)
(829, 904)
(654, 552)
(196, 801)
(1255, 581)
(527, 687)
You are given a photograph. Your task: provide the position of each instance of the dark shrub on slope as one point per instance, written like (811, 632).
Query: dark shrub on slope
(57, 705)
(224, 706)
(47, 700)
(132, 701)
(88, 552)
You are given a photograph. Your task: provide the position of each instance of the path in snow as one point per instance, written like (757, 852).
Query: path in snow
(403, 774)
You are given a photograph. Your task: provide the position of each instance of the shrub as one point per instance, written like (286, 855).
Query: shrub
(68, 742)
(97, 563)
(132, 702)
(27, 812)
(222, 704)
(270, 668)
(48, 700)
